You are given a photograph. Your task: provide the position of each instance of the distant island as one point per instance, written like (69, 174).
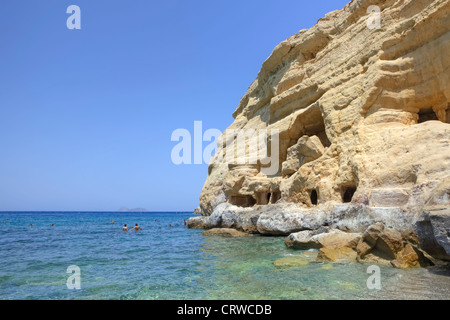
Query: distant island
(125, 209)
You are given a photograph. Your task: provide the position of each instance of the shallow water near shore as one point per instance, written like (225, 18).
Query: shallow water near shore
(163, 262)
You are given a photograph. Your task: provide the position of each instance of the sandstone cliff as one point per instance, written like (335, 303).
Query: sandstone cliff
(364, 126)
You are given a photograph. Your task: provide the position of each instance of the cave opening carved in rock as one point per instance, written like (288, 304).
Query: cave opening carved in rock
(308, 141)
(264, 198)
(427, 115)
(314, 197)
(347, 193)
(242, 201)
(276, 195)
(311, 123)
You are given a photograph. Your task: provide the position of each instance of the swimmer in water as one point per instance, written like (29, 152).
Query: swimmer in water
(112, 221)
(136, 227)
(52, 225)
(184, 222)
(125, 228)
(31, 225)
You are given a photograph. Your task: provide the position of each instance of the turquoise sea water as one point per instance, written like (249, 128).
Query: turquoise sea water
(162, 262)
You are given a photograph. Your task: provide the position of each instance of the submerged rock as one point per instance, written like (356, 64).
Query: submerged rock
(225, 232)
(297, 260)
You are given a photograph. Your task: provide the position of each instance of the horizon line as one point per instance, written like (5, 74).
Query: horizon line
(93, 211)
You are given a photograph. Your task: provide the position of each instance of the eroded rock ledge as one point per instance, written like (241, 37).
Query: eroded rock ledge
(364, 122)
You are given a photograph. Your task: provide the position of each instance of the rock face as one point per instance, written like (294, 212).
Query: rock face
(363, 122)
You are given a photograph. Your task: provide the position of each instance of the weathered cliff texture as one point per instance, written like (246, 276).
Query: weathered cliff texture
(364, 121)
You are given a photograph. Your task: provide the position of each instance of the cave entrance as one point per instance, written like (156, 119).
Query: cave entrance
(314, 197)
(308, 123)
(242, 201)
(264, 198)
(347, 193)
(315, 126)
(427, 114)
(276, 195)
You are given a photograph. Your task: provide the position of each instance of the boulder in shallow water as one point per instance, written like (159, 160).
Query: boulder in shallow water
(230, 216)
(302, 240)
(340, 255)
(200, 222)
(379, 244)
(316, 239)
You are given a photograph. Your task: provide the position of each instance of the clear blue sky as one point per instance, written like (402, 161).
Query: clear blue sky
(86, 116)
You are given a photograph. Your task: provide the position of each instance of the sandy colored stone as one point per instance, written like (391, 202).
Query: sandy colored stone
(390, 242)
(339, 240)
(341, 255)
(410, 257)
(333, 239)
(379, 243)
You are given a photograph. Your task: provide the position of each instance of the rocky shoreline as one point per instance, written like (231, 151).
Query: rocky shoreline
(345, 232)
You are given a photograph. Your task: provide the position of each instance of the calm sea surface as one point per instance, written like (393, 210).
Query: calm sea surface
(163, 262)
